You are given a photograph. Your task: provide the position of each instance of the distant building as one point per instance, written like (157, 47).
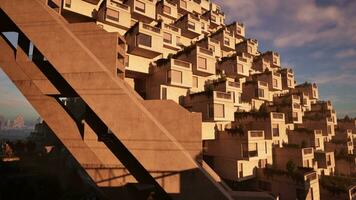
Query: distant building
(18, 123)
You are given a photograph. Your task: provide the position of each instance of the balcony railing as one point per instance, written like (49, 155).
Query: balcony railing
(262, 83)
(256, 133)
(277, 116)
(296, 106)
(242, 59)
(120, 5)
(308, 151)
(318, 132)
(205, 51)
(214, 41)
(170, 27)
(194, 17)
(311, 177)
(249, 154)
(151, 28)
(223, 95)
(234, 84)
(182, 63)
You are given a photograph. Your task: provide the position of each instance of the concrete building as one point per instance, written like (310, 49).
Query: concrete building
(164, 94)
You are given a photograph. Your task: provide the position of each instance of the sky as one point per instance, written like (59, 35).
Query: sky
(317, 38)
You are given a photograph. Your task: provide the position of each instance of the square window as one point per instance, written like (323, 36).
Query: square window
(219, 110)
(183, 4)
(143, 39)
(275, 83)
(140, 6)
(240, 68)
(68, 3)
(167, 9)
(275, 130)
(175, 76)
(261, 93)
(227, 41)
(167, 37)
(112, 15)
(191, 25)
(202, 63)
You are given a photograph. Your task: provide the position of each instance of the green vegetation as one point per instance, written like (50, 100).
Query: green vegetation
(336, 184)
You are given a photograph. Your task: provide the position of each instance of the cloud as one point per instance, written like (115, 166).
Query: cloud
(338, 77)
(295, 23)
(346, 53)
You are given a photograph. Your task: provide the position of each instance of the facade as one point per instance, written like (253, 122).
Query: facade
(170, 96)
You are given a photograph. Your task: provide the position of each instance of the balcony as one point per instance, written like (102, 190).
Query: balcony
(190, 25)
(179, 73)
(311, 177)
(256, 134)
(262, 84)
(234, 84)
(238, 29)
(142, 10)
(308, 151)
(249, 46)
(235, 66)
(170, 35)
(116, 14)
(226, 39)
(249, 154)
(222, 96)
(167, 9)
(205, 62)
(278, 116)
(144, 40)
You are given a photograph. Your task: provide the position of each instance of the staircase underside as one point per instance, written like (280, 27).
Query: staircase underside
(120, 138)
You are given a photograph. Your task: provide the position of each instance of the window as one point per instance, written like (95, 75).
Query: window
(261, 93)
(167, 37)
(295, 116)
(275, 130)
(329, 129)
(68, 3)
(112, 15)
(227, 41)
(252, 150)
(174, 76)
(178, 40)
(238, 30)
(219, 110)
(164, 93)
(317, 142)
(244, 148)
(166, 9)
(211, 47)
(195, 82)
(202, 26)
(213, 18)
(314, 93)
(144, 40)
(240, 68)
(289, 83)
(240, 98)
(140, 6)
(183, 4)
(275, 83)
(202, 63)
(233, 96)
(191, 25)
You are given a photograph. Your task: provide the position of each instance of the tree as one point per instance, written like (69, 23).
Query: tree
(291, 167)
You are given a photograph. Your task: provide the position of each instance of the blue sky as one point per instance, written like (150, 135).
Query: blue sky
(317, 38)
